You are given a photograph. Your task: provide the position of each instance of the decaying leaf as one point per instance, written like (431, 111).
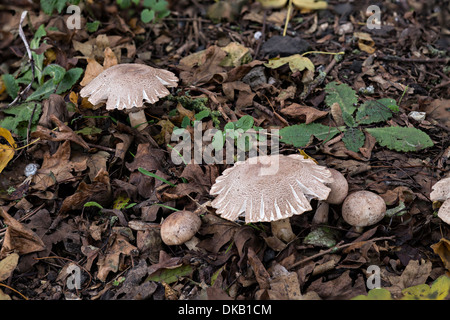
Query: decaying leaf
(7, 265)
(442, 248)
(6, 151)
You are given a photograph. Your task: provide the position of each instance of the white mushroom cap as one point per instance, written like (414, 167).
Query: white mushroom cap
(127, 85)
(444, 211)
(363, 208)
(267, 194)
(339, 188)
(180, 227)
(441, 190)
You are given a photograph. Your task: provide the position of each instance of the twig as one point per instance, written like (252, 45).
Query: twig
(30, 57)
(336, 247)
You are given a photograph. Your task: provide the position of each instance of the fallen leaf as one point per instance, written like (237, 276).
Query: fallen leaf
(365, 42)
(6, 151)
(19, 238)
(415, 273)
(310, 4)
(299, 112)
(296, 63)
(7, 266)
(442, 248)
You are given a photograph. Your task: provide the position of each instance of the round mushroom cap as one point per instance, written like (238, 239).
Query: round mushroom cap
(339, 188)
(441, 190)
(269, 188)
(125, 86)
(363, 208)
(179, 227)
(444, 211)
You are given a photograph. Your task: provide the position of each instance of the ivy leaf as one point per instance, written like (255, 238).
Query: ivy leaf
(353, 139)
(401, 138)
(299, 135)
(376, 111)
(345, 96)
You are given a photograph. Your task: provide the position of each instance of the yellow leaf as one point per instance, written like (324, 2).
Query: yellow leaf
(296, 63)
(6, 151)
(310, 4)
(365, 42)
(273, 3)
(439, 290)
(442, 248)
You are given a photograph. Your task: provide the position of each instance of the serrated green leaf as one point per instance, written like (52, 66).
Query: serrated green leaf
(70, 78)
(401, 138)
(296, 63)
(11, 85)
(345, 96)
(376, 111)
(353, 139)
(299, 135)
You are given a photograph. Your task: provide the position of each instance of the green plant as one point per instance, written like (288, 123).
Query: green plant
(47, 79)
(154, 10)
(48, 6)
(343, 102)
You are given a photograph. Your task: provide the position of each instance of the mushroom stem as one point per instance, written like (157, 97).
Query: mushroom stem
(138, 120)
(192, 243)
(282, 230)
(321, 215)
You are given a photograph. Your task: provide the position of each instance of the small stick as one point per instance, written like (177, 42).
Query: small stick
(337, 247)
(30, 57)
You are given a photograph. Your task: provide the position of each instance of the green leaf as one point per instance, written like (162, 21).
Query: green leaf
(345, 96)
(244, 123)
(19, 116)
(185, 122)
(376, 111)
(70, 78)
(401, 138)
(92, 26)
(299, 135)
(147, 15)
(151, 174)
(43, 92)
(375, 294)
(55, 71)
(202, 114)
(171, 275)
(93, 204)
(218, 140)
(11, 86)
(48, 6)
(353, 139)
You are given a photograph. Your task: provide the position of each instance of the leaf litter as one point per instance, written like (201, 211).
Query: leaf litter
(90, 206)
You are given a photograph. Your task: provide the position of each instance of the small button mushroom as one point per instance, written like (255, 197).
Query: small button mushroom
(363, 208)
(441, 193)
(125, 87)
(339, 191)
(270, 189)
(180, 228)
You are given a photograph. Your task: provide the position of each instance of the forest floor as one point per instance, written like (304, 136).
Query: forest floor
(86, 224)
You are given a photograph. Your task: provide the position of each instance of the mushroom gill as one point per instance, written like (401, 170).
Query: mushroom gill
(264, 194)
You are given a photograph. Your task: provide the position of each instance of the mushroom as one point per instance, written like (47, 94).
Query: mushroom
(270, 189)
(125, 86)
(180, 228)
(363, 208)
(339, 190)
(441, 193)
